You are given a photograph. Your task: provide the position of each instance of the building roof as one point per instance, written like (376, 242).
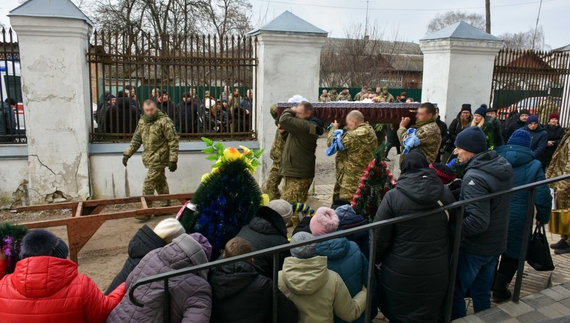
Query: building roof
(563, 49)
(287, 22)
(50, 8)
(461, 30)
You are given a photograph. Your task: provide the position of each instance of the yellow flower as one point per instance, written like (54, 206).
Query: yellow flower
(205, 177)
(245, 150)
(231, 154)
(264, 199)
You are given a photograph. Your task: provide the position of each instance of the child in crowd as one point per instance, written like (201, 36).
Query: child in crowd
(268, 229)
(191, 295)
(348, 219)
(343, 256)
(241, 294)
(46, 287)
(318, 293)
(144, 241)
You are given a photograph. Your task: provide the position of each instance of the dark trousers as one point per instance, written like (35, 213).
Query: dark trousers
(390, 146)
(508, 267)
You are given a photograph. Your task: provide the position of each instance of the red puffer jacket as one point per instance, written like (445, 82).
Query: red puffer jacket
(50, 290)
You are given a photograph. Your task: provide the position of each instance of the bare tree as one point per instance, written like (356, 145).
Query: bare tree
(488, 16)
(525, 40)
(441, 21)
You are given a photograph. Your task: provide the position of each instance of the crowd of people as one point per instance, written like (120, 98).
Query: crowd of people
(380, 95)
(120, 113)
(325, 281)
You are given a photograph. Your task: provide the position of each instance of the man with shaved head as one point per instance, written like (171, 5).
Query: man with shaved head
(359, 142)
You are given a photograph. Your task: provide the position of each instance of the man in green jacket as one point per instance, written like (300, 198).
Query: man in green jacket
(156, 132)
(298, 159)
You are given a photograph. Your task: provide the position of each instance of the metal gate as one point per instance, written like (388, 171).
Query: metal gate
(535, 80)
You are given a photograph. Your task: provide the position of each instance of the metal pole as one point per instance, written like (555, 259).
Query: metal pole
(166, 302)
(454, 263)
(524, 246)
(371, 277)
(275, 286)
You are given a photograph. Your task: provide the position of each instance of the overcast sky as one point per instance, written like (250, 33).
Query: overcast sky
(407, 18)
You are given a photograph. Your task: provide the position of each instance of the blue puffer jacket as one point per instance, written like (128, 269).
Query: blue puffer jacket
(526, 170)
(345, 258)
(348, 219)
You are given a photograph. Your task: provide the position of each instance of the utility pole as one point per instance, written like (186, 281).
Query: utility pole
(366, 24)
(488, 16)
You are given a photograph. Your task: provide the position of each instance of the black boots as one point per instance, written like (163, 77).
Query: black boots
(562, 244)
(501, 292)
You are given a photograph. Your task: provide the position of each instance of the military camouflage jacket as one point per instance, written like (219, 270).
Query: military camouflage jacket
(359, 146)
(159, 139)
(333, 97)
(233, 102)
(385, 98)
(344, 97)
(360, 96)
(324, 98)
(277, 147)
(430, 139)
(560, 165)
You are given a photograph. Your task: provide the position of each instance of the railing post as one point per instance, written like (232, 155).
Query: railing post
(275, 286)
(454, 263)
(524, 245)
(371, 277)
(166, 301)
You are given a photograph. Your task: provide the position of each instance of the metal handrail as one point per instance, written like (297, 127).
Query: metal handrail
(275, 251)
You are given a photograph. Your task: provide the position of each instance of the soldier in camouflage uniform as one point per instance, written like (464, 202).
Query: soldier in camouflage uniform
(333, 95)
(385, 96)
(324, 97)
(274, 178)
(234, 100)
(363, 94)
(560, 165)
(428, 131)
(156, 132)
(344, 95)
(359, 143)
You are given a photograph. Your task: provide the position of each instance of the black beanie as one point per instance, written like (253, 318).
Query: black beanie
(466, 107)
(472, 139)
(413, 161)
(43, 243)
(338, 203)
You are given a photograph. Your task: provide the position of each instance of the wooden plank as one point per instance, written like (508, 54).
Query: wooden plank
(97, 210)
(143, 202)
(79, 210)
(43, 207)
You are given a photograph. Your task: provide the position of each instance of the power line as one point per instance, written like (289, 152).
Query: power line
(400, 9)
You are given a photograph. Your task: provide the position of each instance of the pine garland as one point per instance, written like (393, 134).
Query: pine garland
(11, 236)
(376, 181)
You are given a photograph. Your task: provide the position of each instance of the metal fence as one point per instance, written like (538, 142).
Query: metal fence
(276, 251)
(191, 78)
(535, 80)
(12, 123)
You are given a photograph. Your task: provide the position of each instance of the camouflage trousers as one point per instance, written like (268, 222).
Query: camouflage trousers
(296, 190)
(271, 186)
(345, 186)
(155, 180)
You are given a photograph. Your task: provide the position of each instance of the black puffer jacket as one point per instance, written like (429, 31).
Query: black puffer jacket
(241, 295)
(414, 254)
(266, 230)
(485, 224)
(144, 241)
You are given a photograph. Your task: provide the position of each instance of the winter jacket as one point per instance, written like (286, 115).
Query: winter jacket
(50, 290)
(485, 223)
(215, 123)
(170, 110)
(392, 135)
(555, 134)
(298, 159)
(539, 141)
(348, 219)
(188, 122)
(190, 295)
(513, 127)
(241, 117)
(265, 233)
(344, 258)
(318, 293)
(158, 136)
(492, 132)
(526, 170)
(241, 295)
(121, 118)
(414, 254)
(455, 127)
(443, 130)
(144, 241)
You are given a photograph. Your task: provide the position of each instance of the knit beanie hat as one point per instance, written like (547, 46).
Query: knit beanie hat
(521, 137)
(445, 174)
(472, 139)
(466, 107)
(203, 241)
(532, 119)
(283, 208)
(324, 221)
(169, 229)
(524, 111)
(413, 161)
(303, 252)
(554, 116)
(482, 111)
(43, 243)
(338, 203)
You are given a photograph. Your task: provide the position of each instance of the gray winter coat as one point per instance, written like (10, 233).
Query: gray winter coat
(191, 295)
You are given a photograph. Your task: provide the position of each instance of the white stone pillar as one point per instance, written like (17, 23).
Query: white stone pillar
(289, 64)
(458, 68)
(55, 86)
